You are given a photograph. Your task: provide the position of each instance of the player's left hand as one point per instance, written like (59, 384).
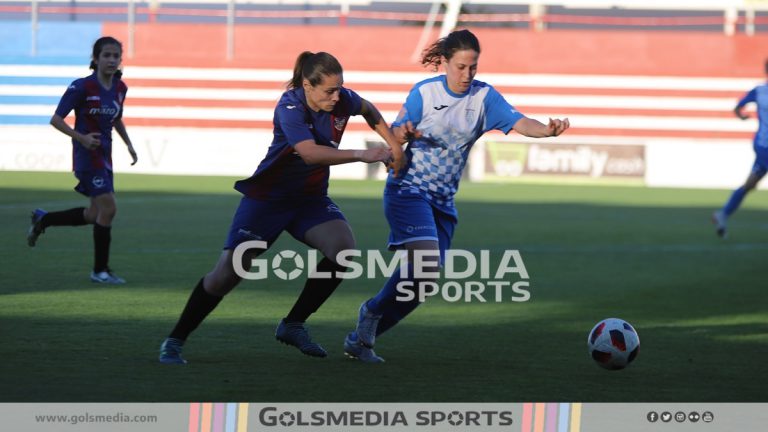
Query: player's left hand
(134, 156)
(397, 161)
(557, 126)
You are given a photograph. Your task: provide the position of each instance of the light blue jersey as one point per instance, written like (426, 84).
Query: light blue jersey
(759, 95)
(450, 124)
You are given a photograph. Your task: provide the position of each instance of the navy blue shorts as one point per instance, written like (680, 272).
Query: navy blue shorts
(412, 218)
(95, 183)
(266, 220)
(760, 167)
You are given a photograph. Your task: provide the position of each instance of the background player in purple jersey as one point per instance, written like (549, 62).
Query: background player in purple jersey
(758, 95)
(98, 104)
(451, 112)
(289, 192)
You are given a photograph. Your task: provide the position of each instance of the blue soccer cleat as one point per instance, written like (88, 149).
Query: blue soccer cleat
(36, 228)
(366, 326)
(170, 351)
(294, 333)
(355, 350)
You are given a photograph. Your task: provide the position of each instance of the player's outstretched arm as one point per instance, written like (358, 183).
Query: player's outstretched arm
(376, 122)
(313, 154)
(536, 129)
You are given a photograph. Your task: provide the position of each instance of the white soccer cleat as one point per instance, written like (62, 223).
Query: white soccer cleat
(719, 219)
(106, 277)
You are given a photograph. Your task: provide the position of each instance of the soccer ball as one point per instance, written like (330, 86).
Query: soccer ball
(613, 343)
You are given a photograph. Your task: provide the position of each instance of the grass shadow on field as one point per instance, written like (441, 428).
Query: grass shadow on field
(697, 302)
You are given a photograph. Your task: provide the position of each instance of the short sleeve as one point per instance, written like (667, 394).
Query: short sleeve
(73, 97)
(354, 101)
(411, 110)
(292, 121)
(749, 97)
(500, 115)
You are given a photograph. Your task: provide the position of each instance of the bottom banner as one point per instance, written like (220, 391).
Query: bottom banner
(517, 417)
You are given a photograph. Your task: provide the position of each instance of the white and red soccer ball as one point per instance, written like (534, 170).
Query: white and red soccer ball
(613, 343)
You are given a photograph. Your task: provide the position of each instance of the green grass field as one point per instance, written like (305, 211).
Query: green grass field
(649, 256)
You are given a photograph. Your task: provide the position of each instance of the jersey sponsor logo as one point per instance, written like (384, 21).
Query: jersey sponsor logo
(339, 123)
(106, 110)
(440, 107)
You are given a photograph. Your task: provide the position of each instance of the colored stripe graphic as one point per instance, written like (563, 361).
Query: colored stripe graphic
(219, 418)
(527, 417)
(551, 417)
(242, 421)
(562, 422)
(194, 417)
(539, 411)
(576, 417)
(205, 418)
(231, 417)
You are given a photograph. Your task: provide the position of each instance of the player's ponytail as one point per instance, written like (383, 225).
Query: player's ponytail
(457, 40)
(99, 45)
(312, 67)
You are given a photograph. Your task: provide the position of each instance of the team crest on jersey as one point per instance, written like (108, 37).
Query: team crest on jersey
(470, 115)
(339, 123)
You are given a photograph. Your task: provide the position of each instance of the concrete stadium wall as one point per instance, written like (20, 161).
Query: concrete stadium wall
(168, 149)
(504, 50)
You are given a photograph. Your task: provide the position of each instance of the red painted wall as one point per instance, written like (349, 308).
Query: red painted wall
(504, 50)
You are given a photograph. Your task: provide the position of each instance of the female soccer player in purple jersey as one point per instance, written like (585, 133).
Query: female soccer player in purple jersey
(98, 104)
(289, 192)
(451, 112)
(759, 96)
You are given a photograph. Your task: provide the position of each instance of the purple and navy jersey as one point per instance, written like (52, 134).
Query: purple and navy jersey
(759, 95)
(96, 110)
(450, 124)
(283, 174)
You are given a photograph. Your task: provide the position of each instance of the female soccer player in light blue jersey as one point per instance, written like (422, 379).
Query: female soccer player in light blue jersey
(97, 101)
(443, 117)
(758, 95)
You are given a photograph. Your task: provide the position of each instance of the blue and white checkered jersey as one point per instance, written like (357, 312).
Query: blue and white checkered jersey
(759, 95)
(450, 124)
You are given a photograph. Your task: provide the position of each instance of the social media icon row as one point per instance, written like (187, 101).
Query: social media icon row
(680, 416)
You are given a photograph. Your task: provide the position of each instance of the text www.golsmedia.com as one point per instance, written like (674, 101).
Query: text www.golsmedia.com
(94, 418)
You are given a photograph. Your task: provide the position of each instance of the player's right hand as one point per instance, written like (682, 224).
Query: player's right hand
(377, 154)
(406, 132)
(91, 140)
